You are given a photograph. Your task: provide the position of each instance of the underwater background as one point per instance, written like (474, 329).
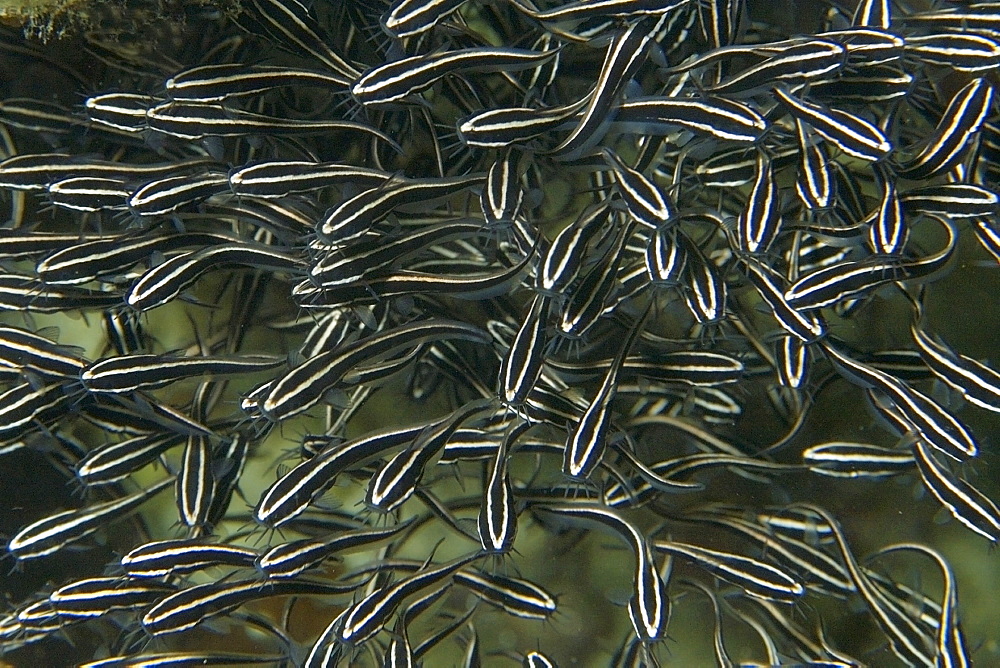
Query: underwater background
(269, 318)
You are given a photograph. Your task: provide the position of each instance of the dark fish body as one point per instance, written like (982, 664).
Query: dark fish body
(393, 305)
